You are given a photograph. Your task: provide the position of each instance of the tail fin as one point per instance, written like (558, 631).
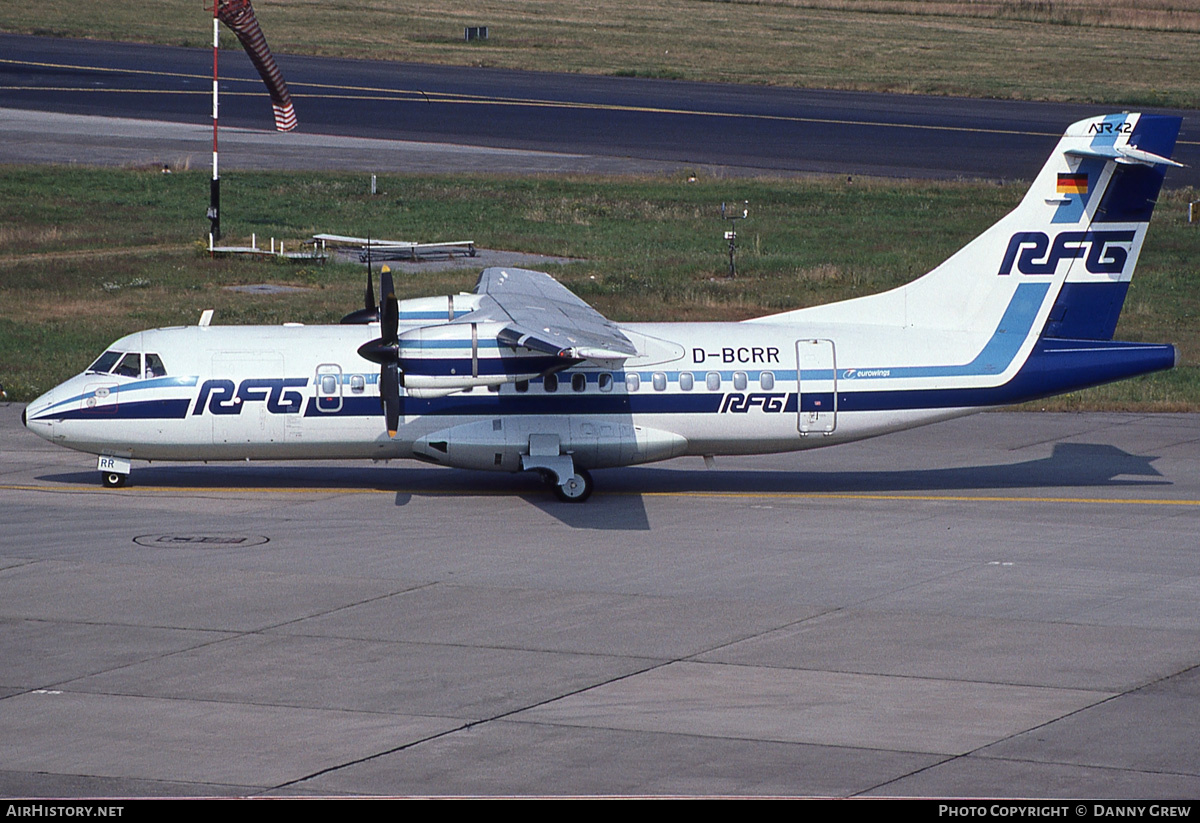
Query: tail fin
(1060, 262)
(1127, 156)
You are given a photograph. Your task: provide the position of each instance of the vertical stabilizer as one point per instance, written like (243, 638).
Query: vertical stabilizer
(1131, 156)
(1061, 260)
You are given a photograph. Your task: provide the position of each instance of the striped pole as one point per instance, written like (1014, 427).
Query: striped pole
(214, 200)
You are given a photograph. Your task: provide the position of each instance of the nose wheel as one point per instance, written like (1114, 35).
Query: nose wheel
(577, 488)
(114, 471)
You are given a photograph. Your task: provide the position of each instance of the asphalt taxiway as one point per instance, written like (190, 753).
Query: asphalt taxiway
(152, 104)
(1003, 605)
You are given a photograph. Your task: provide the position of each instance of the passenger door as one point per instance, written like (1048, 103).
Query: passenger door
(816, 387)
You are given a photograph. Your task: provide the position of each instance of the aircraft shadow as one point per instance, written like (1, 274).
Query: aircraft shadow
(618, 505)
(1071, 465)
(625, 512)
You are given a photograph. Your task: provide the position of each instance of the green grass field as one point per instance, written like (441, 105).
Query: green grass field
(1119, 52)
(88, 255)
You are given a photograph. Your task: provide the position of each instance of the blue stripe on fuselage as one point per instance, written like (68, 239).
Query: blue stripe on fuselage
(1053, 367)
(120, 388)
(171, 409)
(995, 357)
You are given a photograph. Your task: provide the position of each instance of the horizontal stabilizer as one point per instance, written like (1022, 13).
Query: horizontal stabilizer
(1124, 154)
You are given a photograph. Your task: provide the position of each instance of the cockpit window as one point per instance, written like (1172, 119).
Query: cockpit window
(130, 366)
(104, 362)
(154, 365)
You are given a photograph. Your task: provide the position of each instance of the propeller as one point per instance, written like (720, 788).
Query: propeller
(385, 350)
(370, 313)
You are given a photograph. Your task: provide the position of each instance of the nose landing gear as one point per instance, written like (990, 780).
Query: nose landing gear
(113, 480)
(114, 471)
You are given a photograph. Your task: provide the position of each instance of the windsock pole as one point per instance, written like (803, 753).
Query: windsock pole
(214, 201)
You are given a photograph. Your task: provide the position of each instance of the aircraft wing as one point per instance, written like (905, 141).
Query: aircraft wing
(540, 313)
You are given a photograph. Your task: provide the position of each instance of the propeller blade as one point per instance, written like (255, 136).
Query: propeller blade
(389, 395)
(368, 314)
(389, 309)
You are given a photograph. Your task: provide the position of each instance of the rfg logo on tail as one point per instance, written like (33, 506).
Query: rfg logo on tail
(1105, 252)
(220, 397)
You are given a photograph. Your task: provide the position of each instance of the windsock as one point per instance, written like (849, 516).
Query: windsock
(238, 15)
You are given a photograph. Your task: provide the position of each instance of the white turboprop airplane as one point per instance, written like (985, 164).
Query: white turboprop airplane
(523, 375)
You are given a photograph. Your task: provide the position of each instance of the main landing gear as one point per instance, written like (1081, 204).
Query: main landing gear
(574, 489)
(570, 483)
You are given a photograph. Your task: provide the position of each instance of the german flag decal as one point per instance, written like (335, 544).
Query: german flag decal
(1069, 183)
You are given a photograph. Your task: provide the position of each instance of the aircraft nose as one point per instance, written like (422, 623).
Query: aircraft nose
(29, 419)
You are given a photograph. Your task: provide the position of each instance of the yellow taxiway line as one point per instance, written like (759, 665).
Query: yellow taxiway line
(736, 495)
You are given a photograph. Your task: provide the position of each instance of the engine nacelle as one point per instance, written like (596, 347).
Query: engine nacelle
(439, 360)
(437, 309)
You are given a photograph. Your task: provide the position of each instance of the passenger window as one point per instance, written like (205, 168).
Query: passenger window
(329, 384)
(578, 382)
(104, 362)
(685, 381)
(521, 386)
(739, 380)
(130, 366)
(632, 382)
(605, 382)
(154, 366)
(660, 381)
(766, 380)
(358, 384)
(550, 382)
(713, 381)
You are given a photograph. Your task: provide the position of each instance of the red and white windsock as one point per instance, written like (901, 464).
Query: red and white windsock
(239, 16)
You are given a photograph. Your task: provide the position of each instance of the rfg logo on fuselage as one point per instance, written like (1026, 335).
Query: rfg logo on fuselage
(738, 403)
(1105, 252)
(220, 398)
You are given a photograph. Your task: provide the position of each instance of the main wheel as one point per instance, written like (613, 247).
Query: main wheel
(577, 488)
(113, 480)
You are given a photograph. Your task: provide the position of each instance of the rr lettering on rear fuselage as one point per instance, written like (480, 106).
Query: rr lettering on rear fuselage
(1105, 252)
(737, 403)
(220, 398)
